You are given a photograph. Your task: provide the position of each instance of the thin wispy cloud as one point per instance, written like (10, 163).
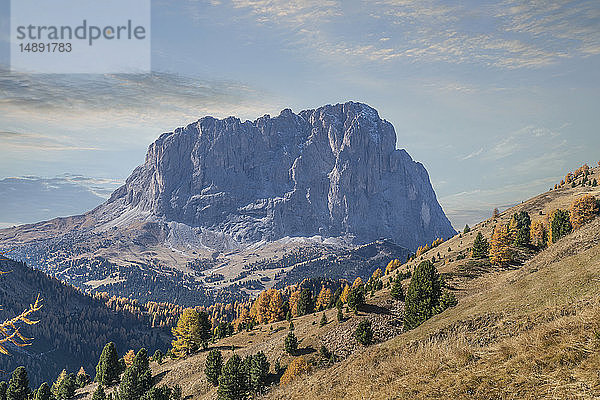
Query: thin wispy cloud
(295, 13)
(28, 141)
(507, 35)
(124, 99)
(528, 141)
(532, 144)
(472, 155)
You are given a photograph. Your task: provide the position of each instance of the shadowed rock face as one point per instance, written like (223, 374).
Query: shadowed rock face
(333, 171)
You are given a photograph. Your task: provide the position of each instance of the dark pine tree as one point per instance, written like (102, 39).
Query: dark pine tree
(356, 298)
(162, 392)
(108, 368)
(18, 386)
(364, 333)
(137, 379)
(481, 247)
(259, 372)
(213, 367)
(561, 225)
(446, 301)
(231, 380)
(291, 343)
(306, 305)
(245, 373)
(522, 237)
(3, 387)
(99, 393)
(67, 387)
(397, 291)
(43, 392)
(423, 295)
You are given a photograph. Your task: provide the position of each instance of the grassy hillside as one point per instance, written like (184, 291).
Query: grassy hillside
(530, 330)
(526, 333)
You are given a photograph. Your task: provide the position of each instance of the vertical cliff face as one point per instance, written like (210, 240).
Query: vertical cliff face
(332, 171)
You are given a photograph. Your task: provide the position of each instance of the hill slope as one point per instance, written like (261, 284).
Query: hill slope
(73, 327)
(526, 331)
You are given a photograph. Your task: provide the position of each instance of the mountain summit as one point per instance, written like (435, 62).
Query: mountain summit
(222, 209)
(332, 171)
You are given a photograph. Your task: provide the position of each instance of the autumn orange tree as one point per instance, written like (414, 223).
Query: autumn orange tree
(128, 357)
(422, 249)
(513, 228)
(357, 282)
(376, 274)
(293, 303)
(297, 367)
(345, 293)
(10, 331)
(500, 253)
(539, 234)
(583, 210)
(244, 320)
(268, 307)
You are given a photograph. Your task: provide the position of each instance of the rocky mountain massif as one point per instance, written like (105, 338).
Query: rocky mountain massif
(333, 171)
(218, 195)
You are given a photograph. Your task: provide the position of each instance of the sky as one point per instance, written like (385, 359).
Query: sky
(498, 99)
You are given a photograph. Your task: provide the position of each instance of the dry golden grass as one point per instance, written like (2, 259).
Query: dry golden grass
(525, 334)
(528, 332)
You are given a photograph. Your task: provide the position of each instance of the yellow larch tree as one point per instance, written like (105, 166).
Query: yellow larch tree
(323, 298)
(583, 210)
(539, 233)
(376, 274)
(345, 293)
(297, 367)
(392, 265)
(275, 312)
(500, 253)
(294, 297)
(513, 228)
(9, 329)
(268, 307)
(193, 330)
(128, 357)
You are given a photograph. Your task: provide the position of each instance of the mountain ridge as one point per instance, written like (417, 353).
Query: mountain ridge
(73, 326)
(222, 193)
(325, 171)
